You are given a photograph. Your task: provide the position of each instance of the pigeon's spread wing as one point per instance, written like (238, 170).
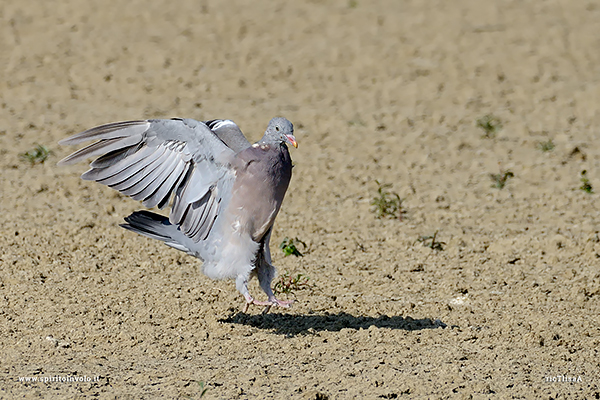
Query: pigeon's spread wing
(229, 133)
(155, 160)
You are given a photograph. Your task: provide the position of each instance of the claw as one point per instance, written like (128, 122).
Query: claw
(279, 303)
(268, 304)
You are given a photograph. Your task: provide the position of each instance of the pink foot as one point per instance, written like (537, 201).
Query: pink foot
(268, 304)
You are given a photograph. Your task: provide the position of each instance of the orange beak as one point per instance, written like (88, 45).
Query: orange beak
(292, 140)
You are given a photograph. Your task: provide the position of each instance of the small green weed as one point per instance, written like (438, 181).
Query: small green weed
(37, 155)
(288, 246)
(203, 390)
(289, 283)
(501, 179)
(431, 242)
(586, 186)
(387, 204)
(490, 125)
(357, 121)
(546, 146)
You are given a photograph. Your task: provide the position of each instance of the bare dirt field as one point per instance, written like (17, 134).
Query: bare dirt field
(504, 304)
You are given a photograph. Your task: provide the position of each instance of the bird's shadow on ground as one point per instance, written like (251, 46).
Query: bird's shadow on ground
(292, 325)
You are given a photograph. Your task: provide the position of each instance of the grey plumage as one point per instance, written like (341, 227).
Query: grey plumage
(224, 192)
(229, 133)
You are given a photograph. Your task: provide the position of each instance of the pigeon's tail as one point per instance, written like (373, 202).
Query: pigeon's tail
(156, 226)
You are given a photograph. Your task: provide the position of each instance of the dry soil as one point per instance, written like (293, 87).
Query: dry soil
(504, 304)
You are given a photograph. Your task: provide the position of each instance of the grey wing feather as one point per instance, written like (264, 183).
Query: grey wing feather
(149, 182)
(108, 131)
(229, 133)
(156, 160)
(102, 147)
(112, 173)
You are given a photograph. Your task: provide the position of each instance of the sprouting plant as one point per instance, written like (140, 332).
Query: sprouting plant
(490, 125)
(288, 246)
(203, 390)
(288, 283)
(37, 155)
(387, 204)
(586, 186)
(546, 146)
(501, 178)
(357, 121)
(352, 4)
(431, 242)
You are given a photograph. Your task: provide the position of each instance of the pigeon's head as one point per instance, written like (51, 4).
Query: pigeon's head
(280, 130)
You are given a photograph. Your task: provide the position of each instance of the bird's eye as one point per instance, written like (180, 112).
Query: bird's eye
(277, 128)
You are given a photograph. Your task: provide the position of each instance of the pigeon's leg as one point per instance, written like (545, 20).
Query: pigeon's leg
(241, 283)
(273, 301)
(242, 286)
(266, 272)
(249, 300)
